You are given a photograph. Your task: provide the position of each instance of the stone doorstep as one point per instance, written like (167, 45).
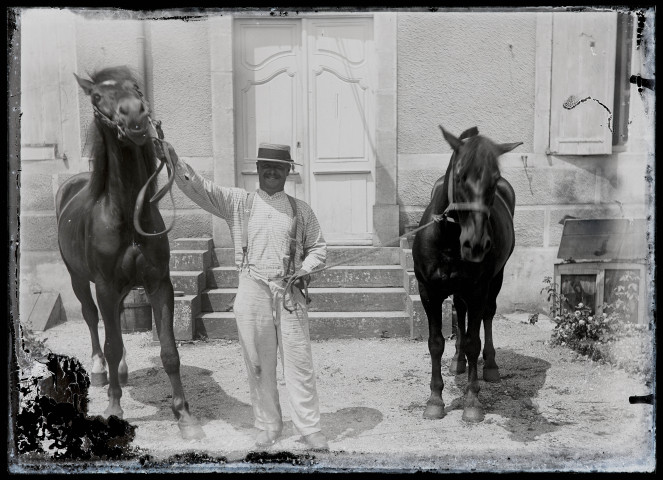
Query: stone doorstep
(344, 276)
(204, 244)
(190, 283)
(190, 260)
(323, 325)
(323, 299)
(358, 255)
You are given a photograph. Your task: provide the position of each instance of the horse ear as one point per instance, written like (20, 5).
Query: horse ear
(451, 140)
(86, 85)
(507, 147)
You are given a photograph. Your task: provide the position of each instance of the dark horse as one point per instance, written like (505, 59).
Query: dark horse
(462, 253)
(100, 233)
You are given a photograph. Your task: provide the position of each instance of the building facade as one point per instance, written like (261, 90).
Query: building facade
(359, 97)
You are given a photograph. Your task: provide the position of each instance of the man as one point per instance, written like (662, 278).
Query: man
(261, 234)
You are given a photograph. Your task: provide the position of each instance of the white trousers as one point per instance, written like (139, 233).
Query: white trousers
(264, 325)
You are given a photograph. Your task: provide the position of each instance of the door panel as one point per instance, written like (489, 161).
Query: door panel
(341, 113)
(268, 95)
(309, 83)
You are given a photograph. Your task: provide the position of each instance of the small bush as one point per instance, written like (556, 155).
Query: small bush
(607, 336)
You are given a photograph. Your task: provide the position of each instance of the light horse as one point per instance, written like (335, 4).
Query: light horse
(107, 236)
(463, 253)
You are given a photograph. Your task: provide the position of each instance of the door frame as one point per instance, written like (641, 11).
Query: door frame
(386, 223)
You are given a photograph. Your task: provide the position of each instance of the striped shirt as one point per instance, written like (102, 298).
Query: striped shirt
(268, 228)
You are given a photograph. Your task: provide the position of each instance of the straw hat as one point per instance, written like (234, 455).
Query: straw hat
(272, 152)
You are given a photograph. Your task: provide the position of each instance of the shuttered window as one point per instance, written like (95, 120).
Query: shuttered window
(49, 122)
(582, 90)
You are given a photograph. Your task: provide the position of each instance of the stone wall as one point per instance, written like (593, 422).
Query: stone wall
(479, 69)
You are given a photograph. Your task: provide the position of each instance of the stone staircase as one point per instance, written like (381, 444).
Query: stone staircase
(364, 298)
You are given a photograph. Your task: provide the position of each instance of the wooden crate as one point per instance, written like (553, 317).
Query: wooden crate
(594, 253)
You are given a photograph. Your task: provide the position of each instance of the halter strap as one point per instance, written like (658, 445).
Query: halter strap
(461, 206)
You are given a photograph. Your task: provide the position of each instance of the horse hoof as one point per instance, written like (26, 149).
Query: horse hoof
(491, 375)
(98, 379)
(456, 367)
(192, 432)
(119, 413)
(473, 415)
(434, 412)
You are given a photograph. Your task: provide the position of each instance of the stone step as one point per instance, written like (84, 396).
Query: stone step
(360, 255)
(192, 244)
(323, 325)
(223, 277)
(419, 319)
(361, 276)
(363, 255)
(344, 276)
(190, 260)
(224, 257)
(189, 282)
(322, 299)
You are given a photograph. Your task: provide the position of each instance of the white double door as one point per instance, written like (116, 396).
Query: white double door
(309, 83)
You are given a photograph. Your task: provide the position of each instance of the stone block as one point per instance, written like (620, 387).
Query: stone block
(185, 312)
(190, 260)
(39, 232)
(37, 192)
(529, 226)
(189, 224)
(191, 283)
(192, 244)
(223, 277)
(41, 311)
(385, 225)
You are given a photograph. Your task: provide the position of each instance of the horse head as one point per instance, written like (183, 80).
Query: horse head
(471, 185)
(118, 103)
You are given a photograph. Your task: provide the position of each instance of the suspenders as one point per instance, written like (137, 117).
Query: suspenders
(248, 211)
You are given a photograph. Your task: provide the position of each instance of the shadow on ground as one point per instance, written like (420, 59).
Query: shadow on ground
(208, 401)
(522, 377)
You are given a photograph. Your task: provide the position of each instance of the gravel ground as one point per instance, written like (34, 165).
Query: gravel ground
(553, 410)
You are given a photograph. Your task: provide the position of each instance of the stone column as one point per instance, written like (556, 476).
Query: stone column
(223, 121)
(385, 210)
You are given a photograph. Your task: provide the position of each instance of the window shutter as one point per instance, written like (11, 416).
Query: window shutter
(583, 83)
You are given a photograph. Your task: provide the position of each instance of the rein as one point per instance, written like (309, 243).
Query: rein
(162, 154)
(164, 157)
(461, 206)
(293, 278)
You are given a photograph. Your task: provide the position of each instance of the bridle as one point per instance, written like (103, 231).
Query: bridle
(459, 206)
(156, 135)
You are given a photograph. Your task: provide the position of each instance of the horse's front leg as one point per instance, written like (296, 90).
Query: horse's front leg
(458, 364)
(162, 302)
(491, 372)
(473, 411)
(81, 287)
(109, 301)
(433, 306)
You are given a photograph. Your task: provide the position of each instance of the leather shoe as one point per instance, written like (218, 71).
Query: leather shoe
(316, 441)
(267, 438)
